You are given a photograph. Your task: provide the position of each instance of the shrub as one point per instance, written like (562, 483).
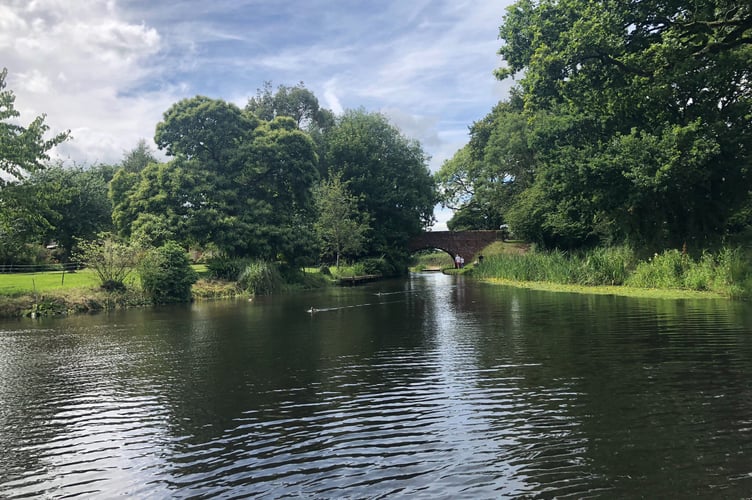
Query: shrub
(112, 260)
(166, 274)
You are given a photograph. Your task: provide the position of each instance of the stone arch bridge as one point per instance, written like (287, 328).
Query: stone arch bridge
(467, 244)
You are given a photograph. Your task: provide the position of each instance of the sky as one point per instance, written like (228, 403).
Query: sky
(107, 70)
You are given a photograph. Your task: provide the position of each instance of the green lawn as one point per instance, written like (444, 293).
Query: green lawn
(16, 284)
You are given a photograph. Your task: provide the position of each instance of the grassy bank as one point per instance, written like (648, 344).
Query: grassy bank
(726, 273)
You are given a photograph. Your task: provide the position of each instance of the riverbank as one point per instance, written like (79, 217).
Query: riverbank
(622, 291)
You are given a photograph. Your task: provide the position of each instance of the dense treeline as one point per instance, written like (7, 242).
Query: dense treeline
(630, 124)
(238, 184)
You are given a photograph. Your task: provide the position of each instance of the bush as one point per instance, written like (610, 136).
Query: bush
(111, 259)
(260, 278)
(381, 266)
(166, 274)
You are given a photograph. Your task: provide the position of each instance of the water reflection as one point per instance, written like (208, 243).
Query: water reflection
(433, 387)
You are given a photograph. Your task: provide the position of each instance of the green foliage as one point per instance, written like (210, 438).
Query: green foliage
(340, 227)
(204, 129)
(73, 201)
(379, 266)
(112, 260)
(638, 117)
(226, 268)
(388, 174)
(484, 178)
(138, 158)
(260, 278)
(296, 102)
(665, 270)
(727, 272)
(22, 149)
(601, 266)
(431, 259)
(237, 183)
(166, 274)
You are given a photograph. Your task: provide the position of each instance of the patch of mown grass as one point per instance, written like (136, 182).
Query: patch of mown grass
(18, 284)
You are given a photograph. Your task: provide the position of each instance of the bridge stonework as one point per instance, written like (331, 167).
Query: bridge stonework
(464, 243)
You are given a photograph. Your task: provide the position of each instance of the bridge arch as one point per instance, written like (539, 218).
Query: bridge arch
(464, 243)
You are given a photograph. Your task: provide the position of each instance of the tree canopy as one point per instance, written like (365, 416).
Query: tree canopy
(22, 149)
(236, 182)
(388, 173)
(633, 125)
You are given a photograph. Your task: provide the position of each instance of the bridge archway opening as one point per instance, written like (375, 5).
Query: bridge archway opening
(466, 244)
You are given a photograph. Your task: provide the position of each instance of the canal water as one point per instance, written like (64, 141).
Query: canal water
(429, 387)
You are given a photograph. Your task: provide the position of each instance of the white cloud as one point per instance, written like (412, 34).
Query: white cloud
(78, 62)
(108, 69)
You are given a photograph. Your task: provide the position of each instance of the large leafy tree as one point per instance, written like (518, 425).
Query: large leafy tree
(23, 150)
(236, 182)
(484, 178)
(638, 116)
(73, 201)
(296, 102)
(388, 173)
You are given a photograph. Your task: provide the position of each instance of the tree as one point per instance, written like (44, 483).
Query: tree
(388, 173)
(74, 203)
(138, 158)
(340, 227)
(296, 102)
(484, 179)
(236, 182)
(637, 117)
(22, 149)
(206, 130)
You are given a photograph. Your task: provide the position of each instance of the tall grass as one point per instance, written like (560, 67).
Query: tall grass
(603, 266)
(260, 278)
(727, 272)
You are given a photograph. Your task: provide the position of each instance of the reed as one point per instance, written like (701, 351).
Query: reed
(260, 278)
(727, 272)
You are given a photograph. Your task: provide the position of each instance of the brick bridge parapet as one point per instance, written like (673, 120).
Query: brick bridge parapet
(464, 243)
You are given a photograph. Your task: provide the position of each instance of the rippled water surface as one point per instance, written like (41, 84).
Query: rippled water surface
(432, 387)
